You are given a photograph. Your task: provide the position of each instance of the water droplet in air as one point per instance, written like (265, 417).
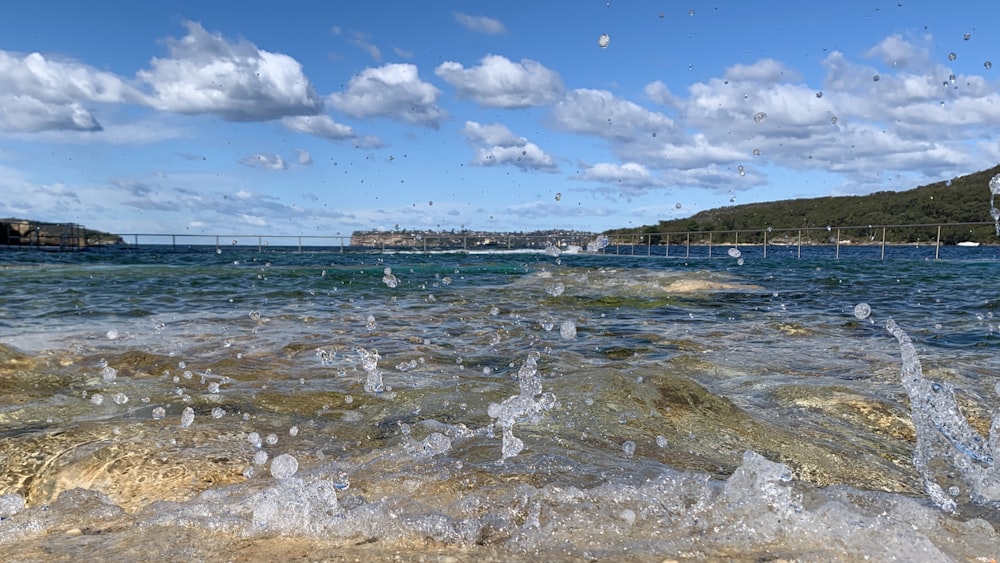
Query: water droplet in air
(690, 12)
(756, 152)
(862, 311)
(876, 78)
(112, 334)
(97, 399)
(967, 36)
(558, 196)
(284, 466)
(819, 94)
(951, 78)
(254, 315)
(567, 330)
(604, 40)
(677, 205)
(187, 417)
(741, 170)
(988, 65)
(109, 374)
(995, 184)
(662, 15)
(734, 252)
(159, 413)
(952, 56)
(628, 448)
(218, 412)
(661, 441)
(834, 120)
(759, 117)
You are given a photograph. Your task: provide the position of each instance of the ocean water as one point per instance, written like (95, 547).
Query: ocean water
(236, 405)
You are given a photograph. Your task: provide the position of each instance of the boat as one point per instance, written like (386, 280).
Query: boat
(968, 243)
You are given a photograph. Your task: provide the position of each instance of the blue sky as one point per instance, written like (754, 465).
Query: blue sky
(319, 118)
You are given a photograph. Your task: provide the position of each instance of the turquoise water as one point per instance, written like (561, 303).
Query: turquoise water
(695, 408)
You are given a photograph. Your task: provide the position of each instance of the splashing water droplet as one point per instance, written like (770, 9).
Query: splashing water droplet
(741, 170)
(734, 252)
(759, 117)
(284, 466)
(603, 41)
(819, 94)
(677, 205)
(952, 56)
(967, 36)
(159, 413)
(756, 152)
(558, 196)
(567, 330)
(187, 417)
(862, 311)
(254, 315)
(628, 448)
(834, 120)
(994, 190)
(988, 65)
(876, 78)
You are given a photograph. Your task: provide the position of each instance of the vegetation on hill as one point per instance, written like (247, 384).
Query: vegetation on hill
(961, 200)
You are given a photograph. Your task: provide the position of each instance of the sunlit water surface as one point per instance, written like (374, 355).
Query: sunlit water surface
(237, 405)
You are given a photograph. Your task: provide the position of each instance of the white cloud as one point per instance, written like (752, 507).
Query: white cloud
(601, 113)
(43, 94)
(898, 53)
(205, 73)
(394, 91)
(499, 82)
(318, 125)
(498, 145)
(264, 160)
(303, 157)
(480, 24)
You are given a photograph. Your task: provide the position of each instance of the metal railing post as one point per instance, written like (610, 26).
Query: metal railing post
(883, 243)
(937, 246)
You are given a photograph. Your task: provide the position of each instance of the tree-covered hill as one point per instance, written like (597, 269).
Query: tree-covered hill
(961, 200)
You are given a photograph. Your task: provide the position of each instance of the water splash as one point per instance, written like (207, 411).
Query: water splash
(994, 212)
(369, 362)
(950, 455)
(522, 407)
(598, 244)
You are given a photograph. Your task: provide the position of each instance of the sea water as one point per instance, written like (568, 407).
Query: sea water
(319, 404)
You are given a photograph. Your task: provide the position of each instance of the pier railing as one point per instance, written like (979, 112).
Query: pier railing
(676, 244)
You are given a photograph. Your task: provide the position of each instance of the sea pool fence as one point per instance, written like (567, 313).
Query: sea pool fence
(873, 240)
(869, 240)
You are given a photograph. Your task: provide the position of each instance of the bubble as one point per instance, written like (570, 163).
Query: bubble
(112, 334)
(159, 413)
(988, 65)
(862, 311)
(628, 448)
(567, 330)
(741, 170)
(876, 78)
(734, 252)
(284, 466)
(952, 56)
(603, 41)
(759, 117)
(254, 315)
(187, 417)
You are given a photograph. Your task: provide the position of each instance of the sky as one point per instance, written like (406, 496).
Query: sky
(322, 118)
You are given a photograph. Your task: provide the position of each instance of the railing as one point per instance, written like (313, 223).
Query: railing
(676, 244)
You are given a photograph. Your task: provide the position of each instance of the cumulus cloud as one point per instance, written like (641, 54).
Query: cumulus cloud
(361, 41)
(898, 53)
(205, 73)
(500, 82)
(264, 160)
(480, 24)
(497, 145)
(318, 125)
(601, 113)
(394, 91)
(43, 94)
